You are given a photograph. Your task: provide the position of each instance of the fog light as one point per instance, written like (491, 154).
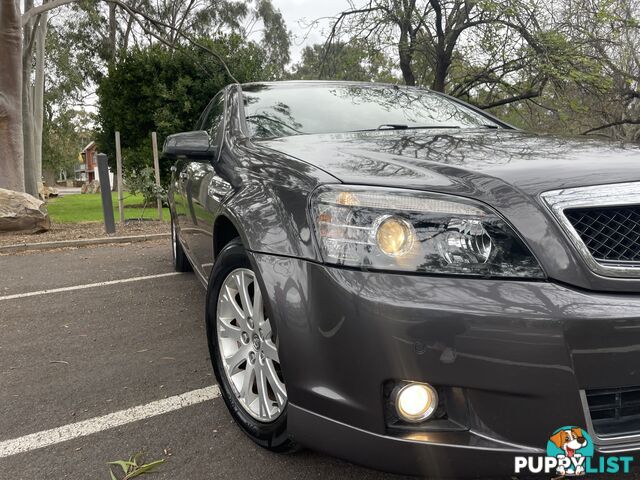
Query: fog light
(416, 402)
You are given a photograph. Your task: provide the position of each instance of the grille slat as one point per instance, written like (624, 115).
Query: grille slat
(615, 412)
(611, 234)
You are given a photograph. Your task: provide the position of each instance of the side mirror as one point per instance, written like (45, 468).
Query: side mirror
(189, 144)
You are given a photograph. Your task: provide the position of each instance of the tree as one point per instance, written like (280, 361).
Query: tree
(64, 135)
(141, 21)
(11, 147)
(355, 61)
(164, 90)
(499, 51)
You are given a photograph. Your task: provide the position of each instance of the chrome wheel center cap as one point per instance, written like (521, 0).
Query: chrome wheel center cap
(256, 342)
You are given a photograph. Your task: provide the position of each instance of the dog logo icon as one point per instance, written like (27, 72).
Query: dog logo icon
(571, 446)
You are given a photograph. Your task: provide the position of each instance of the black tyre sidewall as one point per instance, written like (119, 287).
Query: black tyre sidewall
(180, 260)
(272, 436)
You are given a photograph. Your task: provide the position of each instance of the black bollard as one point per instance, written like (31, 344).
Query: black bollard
(105, 191)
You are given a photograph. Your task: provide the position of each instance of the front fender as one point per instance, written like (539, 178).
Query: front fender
(273, 219)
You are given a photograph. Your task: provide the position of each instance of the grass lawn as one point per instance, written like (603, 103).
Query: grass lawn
(88, 208)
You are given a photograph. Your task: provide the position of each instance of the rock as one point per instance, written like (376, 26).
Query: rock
(93, 187)
(46, 191)
(22, 212)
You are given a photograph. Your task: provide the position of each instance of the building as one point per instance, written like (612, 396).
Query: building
(87, 171)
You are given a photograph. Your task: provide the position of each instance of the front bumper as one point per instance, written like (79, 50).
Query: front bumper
(515, 354)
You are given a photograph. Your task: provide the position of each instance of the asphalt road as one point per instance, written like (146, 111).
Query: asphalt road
(79, 354)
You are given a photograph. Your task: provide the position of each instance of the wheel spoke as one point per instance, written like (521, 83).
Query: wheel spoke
(276, 385)
(258, 310)
(270, 350)
(264, 403)
(231, 298)
(247, 384)
(226, 330)
(235, 360)
(243, 290)
(265, 327)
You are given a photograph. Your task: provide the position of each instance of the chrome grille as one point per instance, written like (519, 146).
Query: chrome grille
(611, 234)
(603, 223)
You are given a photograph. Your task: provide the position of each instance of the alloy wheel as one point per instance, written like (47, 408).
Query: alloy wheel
(248, 349)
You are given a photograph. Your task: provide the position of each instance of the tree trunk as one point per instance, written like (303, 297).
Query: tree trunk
(11, 153)
(38, 98)
(443, 62)
(30, 178)
(113, 28)
(404, 52)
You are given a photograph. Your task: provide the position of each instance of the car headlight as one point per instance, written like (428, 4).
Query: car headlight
(407, 230)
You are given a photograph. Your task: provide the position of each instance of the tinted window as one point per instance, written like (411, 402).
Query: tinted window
(212, 117)
(283, 110)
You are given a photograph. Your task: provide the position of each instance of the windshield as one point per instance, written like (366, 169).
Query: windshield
(285, 110)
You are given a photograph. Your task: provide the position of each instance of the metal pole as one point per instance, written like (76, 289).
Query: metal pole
(156, 167)
(119, 174)
(105, 191)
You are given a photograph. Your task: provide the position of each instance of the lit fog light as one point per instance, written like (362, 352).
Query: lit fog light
(416, 402)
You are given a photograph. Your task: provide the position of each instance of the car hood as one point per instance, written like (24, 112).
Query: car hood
(507, 169)
(464, 160)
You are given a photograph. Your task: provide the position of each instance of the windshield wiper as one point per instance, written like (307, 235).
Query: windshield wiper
(402, 126)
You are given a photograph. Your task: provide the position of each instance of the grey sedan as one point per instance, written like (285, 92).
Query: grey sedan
(402, 280)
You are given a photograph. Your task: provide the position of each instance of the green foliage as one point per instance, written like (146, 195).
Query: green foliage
(133, 467)
(356, 61)
(66, 130)
(63, 137)
(143, 182)
(276, 41)
(156, 89)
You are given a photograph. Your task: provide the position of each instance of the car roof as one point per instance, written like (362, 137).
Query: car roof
(302, 83)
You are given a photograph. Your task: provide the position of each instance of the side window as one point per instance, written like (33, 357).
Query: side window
(213, 116)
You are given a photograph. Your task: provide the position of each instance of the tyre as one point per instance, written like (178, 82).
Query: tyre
(180, 260)
(244, 352)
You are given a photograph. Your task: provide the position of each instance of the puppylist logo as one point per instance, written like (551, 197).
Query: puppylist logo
(570, 452)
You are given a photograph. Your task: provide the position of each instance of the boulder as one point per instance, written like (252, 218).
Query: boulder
(22, 212)
(46, 191)
(92, 187)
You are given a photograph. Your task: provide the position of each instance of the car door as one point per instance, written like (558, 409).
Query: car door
(204, 186)
(180, 176)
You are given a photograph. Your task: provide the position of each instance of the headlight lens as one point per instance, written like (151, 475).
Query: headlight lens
(394, 229)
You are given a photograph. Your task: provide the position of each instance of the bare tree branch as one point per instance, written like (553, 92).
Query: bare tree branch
(516, 98)
(626, 121)
(134, 12)
(45, 7)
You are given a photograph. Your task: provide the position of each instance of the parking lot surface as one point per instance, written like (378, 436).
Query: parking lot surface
(76, 362)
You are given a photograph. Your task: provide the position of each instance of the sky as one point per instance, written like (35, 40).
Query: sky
(298, 12)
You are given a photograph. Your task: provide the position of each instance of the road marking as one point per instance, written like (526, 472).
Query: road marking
(89, 285)
(98, 424)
